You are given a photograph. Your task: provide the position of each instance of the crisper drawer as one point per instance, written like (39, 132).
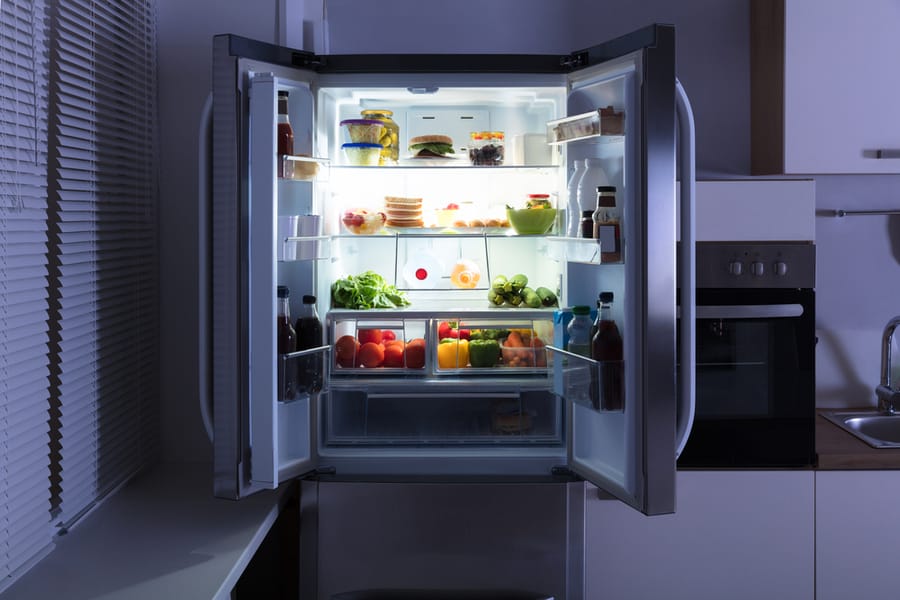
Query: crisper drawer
(441, 345)
(442, 417)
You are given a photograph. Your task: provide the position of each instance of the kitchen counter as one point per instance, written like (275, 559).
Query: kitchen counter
(839, 450)
(163, 535)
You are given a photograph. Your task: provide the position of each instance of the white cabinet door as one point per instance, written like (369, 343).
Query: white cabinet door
(735, 534)
(857, 528)
(840, 87)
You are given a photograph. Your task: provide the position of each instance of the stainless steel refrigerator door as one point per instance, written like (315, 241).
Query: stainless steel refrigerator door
(258, 441)
(631, 453)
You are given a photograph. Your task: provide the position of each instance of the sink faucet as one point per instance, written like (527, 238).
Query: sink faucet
(888, 398)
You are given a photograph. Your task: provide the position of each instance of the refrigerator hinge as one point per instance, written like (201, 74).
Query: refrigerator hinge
(574, 61)
(306, 59)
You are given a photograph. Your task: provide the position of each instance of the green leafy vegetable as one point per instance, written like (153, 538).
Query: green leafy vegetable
(366, 290)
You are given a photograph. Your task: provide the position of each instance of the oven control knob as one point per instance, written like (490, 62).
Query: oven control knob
(781, 269)
(758, 268)
(736, 267)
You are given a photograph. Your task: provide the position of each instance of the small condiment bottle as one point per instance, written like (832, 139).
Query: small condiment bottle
(607, 224)
(587, 224)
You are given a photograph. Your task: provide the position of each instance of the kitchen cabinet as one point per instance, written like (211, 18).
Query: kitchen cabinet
(824, 87)
(857, 526)
(735, 534)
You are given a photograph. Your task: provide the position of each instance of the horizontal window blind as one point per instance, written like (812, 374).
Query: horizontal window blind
(26, 532)
(103, 248)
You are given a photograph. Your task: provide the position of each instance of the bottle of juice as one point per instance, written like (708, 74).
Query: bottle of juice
(285, 136)
(287, 342)
(608, 348)
(310, 369)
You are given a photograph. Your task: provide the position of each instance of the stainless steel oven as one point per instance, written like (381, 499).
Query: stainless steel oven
(755, 356)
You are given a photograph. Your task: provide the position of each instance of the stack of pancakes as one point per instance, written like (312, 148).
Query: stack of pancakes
(403, 212)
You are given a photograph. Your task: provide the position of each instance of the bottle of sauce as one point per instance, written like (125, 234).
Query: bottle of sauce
(607, 348)
(579, 330)
(586, 229)
(310, 370)
(607, 224)
(285, 136)
(287, 341)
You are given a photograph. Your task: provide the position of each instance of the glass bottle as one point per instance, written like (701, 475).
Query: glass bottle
(310, 369)
(586, 229)
(573, 209)
(579, 330)
(390, 139)
(287, 343)
(285, 136)
(594, 175)
(608, 348)
(608, 224)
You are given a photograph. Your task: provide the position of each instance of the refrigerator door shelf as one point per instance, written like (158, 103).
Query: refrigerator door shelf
(605, 124)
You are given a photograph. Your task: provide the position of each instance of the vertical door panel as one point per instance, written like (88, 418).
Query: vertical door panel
(631, 453)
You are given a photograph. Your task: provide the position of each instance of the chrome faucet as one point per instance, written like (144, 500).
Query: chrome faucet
(888, 398)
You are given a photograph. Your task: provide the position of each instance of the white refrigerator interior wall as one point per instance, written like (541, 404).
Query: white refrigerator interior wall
(858, 256)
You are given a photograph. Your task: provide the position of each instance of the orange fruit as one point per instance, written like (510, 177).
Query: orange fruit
(371, 355)
(369, 335)
(393, 354)
(415, 353)
(345, 350)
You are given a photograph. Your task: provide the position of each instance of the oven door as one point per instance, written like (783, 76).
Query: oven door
(755, 379)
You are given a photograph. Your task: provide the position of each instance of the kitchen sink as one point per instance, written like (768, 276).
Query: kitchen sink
(874, 428)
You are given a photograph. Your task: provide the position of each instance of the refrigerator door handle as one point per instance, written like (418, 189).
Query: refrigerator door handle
(686, 146)
(204, 154)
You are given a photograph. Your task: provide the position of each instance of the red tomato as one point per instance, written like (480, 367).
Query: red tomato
(393, 355)
(345, 350)
(415, 353)
(387, 335)
(369, 335)
(371, 355)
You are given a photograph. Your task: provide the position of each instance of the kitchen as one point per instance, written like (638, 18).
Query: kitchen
(713, 66)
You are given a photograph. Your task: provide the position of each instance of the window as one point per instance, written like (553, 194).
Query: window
(78, 262)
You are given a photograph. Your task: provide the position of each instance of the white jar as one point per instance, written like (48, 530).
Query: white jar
(594, 176)
(573, 209)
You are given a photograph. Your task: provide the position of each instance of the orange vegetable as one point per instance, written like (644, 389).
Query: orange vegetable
(371, 355)
(514, 340)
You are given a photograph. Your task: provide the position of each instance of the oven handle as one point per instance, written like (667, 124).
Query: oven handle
(749, 311)
(684, 416)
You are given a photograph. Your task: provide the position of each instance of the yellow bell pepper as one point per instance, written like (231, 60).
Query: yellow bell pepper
(452, 353)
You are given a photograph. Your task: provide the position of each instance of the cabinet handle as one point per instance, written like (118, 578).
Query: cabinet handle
(887, 153)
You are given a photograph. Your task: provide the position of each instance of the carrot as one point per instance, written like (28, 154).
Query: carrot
(514, 340)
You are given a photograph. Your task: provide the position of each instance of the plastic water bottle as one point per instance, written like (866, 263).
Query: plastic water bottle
(594, 176)
(573, 209)
(579, 330)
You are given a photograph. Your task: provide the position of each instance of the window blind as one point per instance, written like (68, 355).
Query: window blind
(103, 248)
(26, 532)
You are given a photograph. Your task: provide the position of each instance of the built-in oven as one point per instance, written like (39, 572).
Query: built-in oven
(755, 356)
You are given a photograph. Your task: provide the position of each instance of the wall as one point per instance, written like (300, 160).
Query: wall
(858, 256)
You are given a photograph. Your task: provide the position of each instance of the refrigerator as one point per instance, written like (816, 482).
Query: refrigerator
(537, 414)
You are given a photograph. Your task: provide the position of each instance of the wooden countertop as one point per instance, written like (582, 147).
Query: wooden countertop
(839, 450)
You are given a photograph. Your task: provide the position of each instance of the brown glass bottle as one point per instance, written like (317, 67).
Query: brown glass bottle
(285, 136)
(310, 369)
(287, 343)
(608, 349)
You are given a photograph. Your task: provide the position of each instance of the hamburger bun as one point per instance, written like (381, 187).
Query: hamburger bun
(431, 139)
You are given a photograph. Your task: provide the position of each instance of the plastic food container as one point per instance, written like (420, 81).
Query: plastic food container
(486, 148)
(361, 154)
(363, 222)
(363, 131)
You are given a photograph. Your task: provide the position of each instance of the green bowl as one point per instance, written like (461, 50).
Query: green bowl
(531, 220)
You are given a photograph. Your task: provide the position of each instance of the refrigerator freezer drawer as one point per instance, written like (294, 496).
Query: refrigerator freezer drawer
(445, 418)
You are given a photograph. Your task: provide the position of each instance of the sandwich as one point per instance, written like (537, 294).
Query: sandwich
(431, 146)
